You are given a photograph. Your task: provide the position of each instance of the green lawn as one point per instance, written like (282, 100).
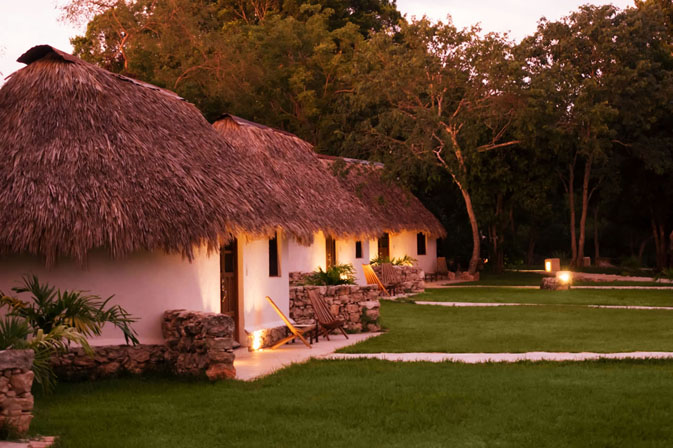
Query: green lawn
(515, 278)
(376, 403)
(516, 329)
(650, 297)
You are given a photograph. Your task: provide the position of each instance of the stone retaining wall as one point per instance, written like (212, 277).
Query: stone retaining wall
(357, 305)
(412, 279)
(16, 401)
(197, 344)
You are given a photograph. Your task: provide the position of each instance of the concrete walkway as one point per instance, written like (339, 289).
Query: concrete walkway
(479, 358)
(252, 365)
(492, 304)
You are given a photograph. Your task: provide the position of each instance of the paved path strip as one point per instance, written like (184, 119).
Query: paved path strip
(479, 358)
(492, 304)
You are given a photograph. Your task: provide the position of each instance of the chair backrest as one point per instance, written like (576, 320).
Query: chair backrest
(282, 316)
(322, 312)
(442, 268)
(372, 278)
(389, 275)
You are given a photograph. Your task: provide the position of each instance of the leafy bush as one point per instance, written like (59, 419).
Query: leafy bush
(402, 261)
(51, 320)
(339, 274)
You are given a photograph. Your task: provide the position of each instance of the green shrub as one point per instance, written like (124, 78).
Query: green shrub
(402, 261)
(339, 274)
(52, 319)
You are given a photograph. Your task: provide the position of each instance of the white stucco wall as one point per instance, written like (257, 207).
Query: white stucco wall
(302, 258)
(144, 283)
(345, 253)
(255, 284)
(404, 243)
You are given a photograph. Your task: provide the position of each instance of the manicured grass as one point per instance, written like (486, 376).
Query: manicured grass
(516, 278)
(376, 403)
(654, 297)
(509, 278)
(516, 329)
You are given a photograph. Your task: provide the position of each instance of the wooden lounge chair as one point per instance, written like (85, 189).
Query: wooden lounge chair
(295, 332)
(442, 270)
(390, 277)
(325, 319)
(372, 278)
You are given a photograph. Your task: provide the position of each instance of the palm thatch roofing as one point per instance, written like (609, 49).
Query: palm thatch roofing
(292, 165)
(393, 207)
(91, 159)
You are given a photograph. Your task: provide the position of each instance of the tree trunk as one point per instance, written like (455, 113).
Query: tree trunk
(530, 253)
(571, 205)
(660, 243)
(476, 242)
(641, 249)
(597, 247)
(585, 208)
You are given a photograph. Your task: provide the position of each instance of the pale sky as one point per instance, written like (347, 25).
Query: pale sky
(25, 23)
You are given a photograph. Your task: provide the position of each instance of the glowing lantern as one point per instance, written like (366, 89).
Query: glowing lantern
(565, 277)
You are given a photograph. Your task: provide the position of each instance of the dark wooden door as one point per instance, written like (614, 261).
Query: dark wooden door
(229, 282)
(384, 246)
(330, 250)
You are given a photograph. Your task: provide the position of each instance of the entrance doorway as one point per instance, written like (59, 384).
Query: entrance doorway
(384, 246)
(229, 283)
(330, 251)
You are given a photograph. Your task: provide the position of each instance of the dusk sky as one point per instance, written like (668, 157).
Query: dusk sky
(24, 23)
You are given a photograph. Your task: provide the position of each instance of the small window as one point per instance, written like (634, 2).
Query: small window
(420, 243)
(358, 249)
(274, 266)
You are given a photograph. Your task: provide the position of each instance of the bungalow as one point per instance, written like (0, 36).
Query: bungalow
(121, 188)
(360, 215)
(408, 228)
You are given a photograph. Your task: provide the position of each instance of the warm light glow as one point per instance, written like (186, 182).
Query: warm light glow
(564, 276)
(257, 339)
(547, 266)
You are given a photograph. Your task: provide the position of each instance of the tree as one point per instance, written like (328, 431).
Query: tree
(443, 96)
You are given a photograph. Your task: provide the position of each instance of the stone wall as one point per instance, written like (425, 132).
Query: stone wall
(197, 344)
(16, 401)
(357, 305)
(412, 279)
(298, 278)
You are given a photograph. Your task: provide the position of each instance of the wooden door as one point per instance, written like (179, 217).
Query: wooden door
(229, 283)
(330, 250)
(384, 246)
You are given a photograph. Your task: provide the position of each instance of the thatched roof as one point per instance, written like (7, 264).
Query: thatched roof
(316, 197)
(93, 159)
(393, 207)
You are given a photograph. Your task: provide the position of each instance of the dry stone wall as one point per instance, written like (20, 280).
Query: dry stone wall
(358, 306)
(411, 278)
(197, 344)
(16, 381)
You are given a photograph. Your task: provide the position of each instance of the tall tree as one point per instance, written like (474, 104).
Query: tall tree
(445, 97)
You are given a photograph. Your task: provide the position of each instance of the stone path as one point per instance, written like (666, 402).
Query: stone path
(479, 358)
(491, 304)
(42, 442)
(252, 365)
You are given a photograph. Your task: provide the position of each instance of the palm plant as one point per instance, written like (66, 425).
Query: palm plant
(339, 274)
(53, 319)
(16, 334)
(50, 308)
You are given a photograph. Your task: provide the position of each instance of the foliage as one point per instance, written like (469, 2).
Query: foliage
(405, 260)
(339, 274)
(16, 334)
(49, 309)
(52, 320)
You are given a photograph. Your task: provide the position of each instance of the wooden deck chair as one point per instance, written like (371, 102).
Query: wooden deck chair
(372, 278)
(442, 268)
(296, 333)
(390, 276)
(324, 318)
